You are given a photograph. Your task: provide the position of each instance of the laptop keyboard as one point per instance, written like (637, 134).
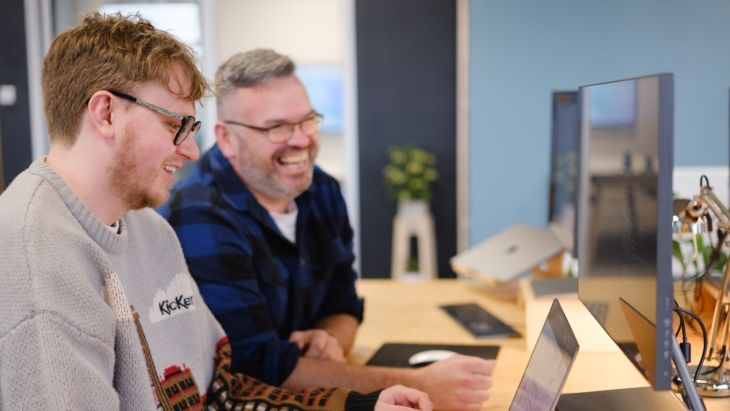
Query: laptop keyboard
(479, 322)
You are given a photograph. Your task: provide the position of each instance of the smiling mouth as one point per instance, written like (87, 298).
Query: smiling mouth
(169, 169)
(294, 160)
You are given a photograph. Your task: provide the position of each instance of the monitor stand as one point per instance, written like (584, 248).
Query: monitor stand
(628, 398)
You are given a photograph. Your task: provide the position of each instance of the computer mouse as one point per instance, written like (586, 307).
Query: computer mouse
(426, 357)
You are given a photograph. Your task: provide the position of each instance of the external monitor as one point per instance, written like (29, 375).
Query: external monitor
(624, 216)
(563, 167)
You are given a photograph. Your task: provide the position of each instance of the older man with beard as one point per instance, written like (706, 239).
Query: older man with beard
(266, 235)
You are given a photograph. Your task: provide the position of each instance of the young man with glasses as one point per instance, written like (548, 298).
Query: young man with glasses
(266, 235)
(97, 309)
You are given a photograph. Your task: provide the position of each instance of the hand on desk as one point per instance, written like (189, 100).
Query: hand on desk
(400, 398)
(318, 344)
(457, 383)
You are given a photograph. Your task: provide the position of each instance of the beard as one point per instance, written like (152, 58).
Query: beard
(268, 185)
(260, 178)
(128, 178)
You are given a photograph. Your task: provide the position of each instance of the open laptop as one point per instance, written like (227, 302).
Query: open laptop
(508, 255)
(549, 365)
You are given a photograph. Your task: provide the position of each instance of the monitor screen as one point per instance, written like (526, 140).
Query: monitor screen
(624, 217)
(563, 167)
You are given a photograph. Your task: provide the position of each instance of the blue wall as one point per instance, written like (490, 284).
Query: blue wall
(522, 50)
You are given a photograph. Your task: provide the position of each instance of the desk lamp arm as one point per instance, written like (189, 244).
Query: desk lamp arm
(707, 204)
(721, 213)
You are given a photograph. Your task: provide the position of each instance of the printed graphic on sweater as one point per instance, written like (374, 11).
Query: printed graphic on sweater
(180, 389)
(230, 391)
(176, 299)
(177, 389)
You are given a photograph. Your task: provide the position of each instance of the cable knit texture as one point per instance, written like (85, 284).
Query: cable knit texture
(92, 319)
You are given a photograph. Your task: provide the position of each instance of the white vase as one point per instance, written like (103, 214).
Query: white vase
(413, 210)
(413, 219)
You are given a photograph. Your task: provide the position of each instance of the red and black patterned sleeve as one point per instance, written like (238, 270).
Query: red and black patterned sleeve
(231, 391)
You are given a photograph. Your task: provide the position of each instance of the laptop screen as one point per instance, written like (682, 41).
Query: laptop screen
(549, 364)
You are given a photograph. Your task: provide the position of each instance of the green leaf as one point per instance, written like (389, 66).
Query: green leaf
(721, 261)
(409, 173)
(677, 253)
(699, 241)
(706, 255)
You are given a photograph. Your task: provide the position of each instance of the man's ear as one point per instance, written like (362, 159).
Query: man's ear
(227, 142)
(100, 113)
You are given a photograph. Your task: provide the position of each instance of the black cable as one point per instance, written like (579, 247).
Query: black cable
(720, 364)
(707, 181)
(711, 370)
(704, 338)
(681, 325)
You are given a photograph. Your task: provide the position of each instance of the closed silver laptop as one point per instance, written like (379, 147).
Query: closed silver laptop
(508, 255)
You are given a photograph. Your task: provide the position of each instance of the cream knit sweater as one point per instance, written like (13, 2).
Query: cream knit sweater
(92, 319)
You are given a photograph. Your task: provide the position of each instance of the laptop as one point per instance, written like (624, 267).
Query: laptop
(644, 398)
(549, 365)
(508, 255)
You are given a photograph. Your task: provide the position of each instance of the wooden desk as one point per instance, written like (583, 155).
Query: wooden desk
(401, 312)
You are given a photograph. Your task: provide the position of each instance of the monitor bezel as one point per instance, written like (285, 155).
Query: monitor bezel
(568, 240)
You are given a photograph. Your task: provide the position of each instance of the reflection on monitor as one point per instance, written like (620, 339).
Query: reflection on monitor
(563, 167)
(614, 105)
(549, 365)
(624, 216)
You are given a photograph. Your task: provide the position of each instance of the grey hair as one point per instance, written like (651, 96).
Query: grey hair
(250, 69)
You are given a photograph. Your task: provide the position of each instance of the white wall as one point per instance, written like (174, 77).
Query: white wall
(308, 31)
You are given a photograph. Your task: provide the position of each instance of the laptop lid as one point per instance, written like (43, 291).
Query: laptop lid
(549, 365)
(508, 255)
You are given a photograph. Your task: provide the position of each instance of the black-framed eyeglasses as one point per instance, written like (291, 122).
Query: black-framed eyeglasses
(188, 125)
(281, 133)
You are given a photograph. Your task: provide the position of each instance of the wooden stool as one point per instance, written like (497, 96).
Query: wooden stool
(413, 219)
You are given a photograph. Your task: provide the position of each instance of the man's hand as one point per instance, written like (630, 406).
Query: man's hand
(400, 398)
(318, 344)
(457, 383)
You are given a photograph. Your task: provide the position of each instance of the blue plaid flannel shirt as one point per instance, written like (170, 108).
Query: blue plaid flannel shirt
(260, 286)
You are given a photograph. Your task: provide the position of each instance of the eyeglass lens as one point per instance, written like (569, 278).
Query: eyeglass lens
(283, 132)
(189, 126)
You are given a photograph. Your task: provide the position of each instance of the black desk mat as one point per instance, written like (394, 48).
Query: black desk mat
(397, 354)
